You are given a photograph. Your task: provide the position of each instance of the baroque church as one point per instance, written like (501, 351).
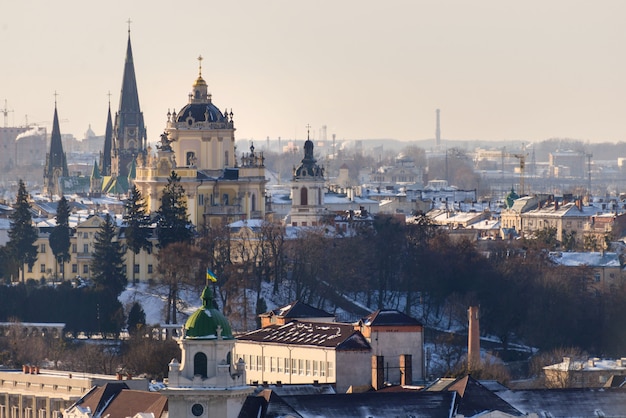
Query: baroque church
(198, 144)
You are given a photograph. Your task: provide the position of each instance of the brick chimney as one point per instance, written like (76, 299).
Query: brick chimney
(406, 369)
(378, 372)
(473, 339)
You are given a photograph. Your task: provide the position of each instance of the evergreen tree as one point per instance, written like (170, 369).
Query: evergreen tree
(22, 233)
(136, 318)
(137, 224)
(107, 265)
(173, 224)
(60, 235)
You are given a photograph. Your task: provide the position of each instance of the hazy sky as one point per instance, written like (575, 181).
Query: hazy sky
(526, 70)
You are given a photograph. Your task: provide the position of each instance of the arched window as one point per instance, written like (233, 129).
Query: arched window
(225, 199)
(200, 365)
(304, 196)
(253, 203)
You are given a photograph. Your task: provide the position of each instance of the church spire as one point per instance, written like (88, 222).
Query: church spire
(56, 162)
(129, 99)
(129, 132)
(108, 139)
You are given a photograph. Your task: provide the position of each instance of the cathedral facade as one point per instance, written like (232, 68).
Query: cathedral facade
(198, 143)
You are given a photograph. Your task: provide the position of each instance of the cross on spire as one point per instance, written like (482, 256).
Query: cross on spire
(109, 94)
(308, 129)
(200, 65)
(55, 98)
(129, 22)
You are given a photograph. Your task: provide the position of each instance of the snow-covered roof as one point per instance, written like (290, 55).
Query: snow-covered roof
(591, 259)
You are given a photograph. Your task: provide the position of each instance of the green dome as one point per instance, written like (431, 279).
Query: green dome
(204, 322)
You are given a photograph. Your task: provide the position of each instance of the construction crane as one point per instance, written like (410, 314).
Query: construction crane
(6, 112)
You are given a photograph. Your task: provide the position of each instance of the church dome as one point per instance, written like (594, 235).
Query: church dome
(206, 321)
(308, 167)
(199, 82)
(200, 112)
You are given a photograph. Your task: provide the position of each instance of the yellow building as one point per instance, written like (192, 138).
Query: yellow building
(199, 145)
(81, 254)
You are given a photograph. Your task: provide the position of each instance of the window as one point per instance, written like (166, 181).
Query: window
(200, 200)
(225, 199)
(225, 158)
(304, 196)
(85, 248)
(252, 362)
(85, 268)
(136, 268)
(330, 369)
(596, 277)
(42, 268)
(308, 367)
(253, 203)
(280, 364)
(315, 363)
(322, 368)
(74, 248)
(200, 365)
(273, 364)
(294, 366)
(149, 268)
(42, 248)
(30, 269)
(259, 363)
(74, 268)
(85, 234)
(301, 367)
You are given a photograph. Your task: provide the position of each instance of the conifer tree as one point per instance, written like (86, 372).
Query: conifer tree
(173, 224)
(137, 225)
(22, 233)
(107, 265)
(60, 235)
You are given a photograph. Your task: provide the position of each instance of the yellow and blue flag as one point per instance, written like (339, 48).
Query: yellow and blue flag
(210, 275)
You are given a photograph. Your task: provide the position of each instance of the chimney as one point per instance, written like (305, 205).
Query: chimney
(473, 339)
(406, 369)
(377, 372)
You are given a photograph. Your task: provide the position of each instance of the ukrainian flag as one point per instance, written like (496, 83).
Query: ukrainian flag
(210, 275)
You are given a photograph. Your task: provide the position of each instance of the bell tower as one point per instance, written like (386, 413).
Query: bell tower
(207, 382)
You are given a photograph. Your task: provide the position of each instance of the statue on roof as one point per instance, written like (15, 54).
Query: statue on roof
(165, 143)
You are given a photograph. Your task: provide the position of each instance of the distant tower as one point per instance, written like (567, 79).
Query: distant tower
(307, 190)
(438, 131)
(105, 160)
(129, 132)
(56, 161)
(95, 181)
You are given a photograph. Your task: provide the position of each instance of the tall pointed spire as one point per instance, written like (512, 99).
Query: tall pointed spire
(56, 162)
(129, 132)
(108, 139)
(129, 99)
